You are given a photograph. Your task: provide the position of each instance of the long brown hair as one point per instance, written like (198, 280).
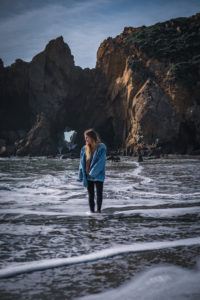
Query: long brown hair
(95, 142)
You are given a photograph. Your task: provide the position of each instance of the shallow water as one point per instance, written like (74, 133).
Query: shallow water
(149, 231)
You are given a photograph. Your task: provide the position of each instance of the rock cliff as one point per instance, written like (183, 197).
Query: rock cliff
(46, 96)
(153, 80)
(144, 92)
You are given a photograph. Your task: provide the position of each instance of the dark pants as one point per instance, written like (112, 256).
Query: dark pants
(91, 193)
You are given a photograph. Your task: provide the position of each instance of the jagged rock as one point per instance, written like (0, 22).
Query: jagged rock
(169, 109)
(40, 136)
(145, 86)
(152, 116)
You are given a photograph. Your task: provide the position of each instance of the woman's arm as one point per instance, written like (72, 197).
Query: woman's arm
(100, 164)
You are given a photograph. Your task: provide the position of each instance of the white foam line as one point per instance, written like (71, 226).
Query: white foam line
(137, 172)
(162, 212)
(154, 212)
(24, 212)
(102, 254)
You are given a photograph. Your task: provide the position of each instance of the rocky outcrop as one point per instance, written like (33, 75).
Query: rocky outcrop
(41, 136)
(144, 92)
(153, 80)
(152, 116)
(54, 95)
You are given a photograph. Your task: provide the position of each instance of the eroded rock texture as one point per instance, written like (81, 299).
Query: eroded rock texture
(153, 81)
(145, 90)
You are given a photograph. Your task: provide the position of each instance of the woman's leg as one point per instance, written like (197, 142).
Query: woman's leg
(90, 189)
(99, 188)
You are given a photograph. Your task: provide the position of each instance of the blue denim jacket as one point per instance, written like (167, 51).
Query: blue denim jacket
(97, 166)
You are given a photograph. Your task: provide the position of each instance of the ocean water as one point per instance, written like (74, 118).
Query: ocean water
(144, 245)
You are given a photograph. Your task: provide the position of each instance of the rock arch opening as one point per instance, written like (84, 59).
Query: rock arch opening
(67, 141)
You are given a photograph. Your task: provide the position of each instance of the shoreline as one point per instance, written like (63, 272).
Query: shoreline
(164, 156)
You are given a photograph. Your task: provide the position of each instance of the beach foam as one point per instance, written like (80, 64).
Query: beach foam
(162, 282)
(102, 254)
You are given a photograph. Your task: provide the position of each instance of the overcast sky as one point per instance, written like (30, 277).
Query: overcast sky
(26, 26)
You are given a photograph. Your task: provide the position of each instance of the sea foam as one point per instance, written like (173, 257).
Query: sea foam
(102, 254)
(161, 282)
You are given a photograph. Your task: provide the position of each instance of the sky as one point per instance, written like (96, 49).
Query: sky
(26, 26)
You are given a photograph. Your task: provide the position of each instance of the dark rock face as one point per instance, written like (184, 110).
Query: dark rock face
(14, 96)
(153, 116)
(143, 92)
(41, 136)
(153, 80)
(53, 94)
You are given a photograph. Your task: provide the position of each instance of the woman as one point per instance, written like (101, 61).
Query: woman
(92, 167)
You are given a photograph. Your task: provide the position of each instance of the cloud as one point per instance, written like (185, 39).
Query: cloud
(83, 24)
(26, 34)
